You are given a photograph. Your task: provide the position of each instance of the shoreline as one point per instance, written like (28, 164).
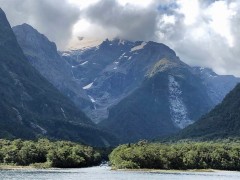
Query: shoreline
(167, 171)
(170, 171)
(15, 167)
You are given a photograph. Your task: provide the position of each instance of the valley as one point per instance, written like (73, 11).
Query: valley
(121, 103)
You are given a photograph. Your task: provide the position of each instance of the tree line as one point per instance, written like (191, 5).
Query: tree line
(44, 153)
(181, 156)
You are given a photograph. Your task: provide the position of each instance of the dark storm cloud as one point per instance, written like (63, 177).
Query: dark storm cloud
(53, 18)
(128, 21)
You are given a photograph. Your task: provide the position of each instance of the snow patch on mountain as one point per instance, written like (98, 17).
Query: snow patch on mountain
(19, 117)
(36, 126)
(63, 113)
(91, 98)
(121, 56)
(82, 64)
(139, 47)
(66, 54)
(178, 109)
(88, 86)
(121, 42)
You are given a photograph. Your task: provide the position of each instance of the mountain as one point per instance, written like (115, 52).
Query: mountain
(218, 86)
(43, 55)
(170, 98)
(31, 107)
(96, 68)
(222, 122)
(142, 90)
(114, 69)
(134, 89)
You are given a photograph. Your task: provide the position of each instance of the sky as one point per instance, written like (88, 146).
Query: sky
(202, 32)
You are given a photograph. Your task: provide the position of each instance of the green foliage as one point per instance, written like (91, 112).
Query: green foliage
(223, 121)
(184, 155)
(43, 154)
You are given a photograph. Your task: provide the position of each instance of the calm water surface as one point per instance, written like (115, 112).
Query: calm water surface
(106, 174)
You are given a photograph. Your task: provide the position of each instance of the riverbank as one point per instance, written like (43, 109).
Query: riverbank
(168, 171)
(162, 171)
(13, 167)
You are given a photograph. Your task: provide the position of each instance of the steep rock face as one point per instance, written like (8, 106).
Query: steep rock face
(142, 89)
(222, 122)
(218, 86)
(112, 70)
(43, 55)
(169, 99)
(31, 107)
(178, 110)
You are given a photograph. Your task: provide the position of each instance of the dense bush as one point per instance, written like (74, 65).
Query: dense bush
(185, 155)
(61, 154)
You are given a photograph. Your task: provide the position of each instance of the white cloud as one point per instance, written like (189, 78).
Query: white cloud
(168, 19)
(82, 3)
(50, 17)
(141, 3)
(205, 34)
(190, 10)
(221, 13)
(202, 32)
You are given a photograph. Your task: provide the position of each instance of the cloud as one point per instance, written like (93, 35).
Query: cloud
(53, 18)
(210, 39)
(202, 32)
(125, 21)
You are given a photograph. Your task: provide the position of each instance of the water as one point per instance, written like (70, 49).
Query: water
(100, 173)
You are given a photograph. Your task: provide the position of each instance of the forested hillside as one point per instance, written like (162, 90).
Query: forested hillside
(222, 122)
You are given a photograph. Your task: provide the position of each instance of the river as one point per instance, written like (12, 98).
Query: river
(104, 173)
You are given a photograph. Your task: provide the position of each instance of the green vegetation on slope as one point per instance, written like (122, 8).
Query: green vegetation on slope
(31, 107)
(146, 112)
(222, 122)
(181, 156)
(43, 153)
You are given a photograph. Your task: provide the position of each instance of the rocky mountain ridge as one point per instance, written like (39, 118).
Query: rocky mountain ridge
(112, 70)
(43, 55)
(31, 107)
(120, 78)
(218, 86)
